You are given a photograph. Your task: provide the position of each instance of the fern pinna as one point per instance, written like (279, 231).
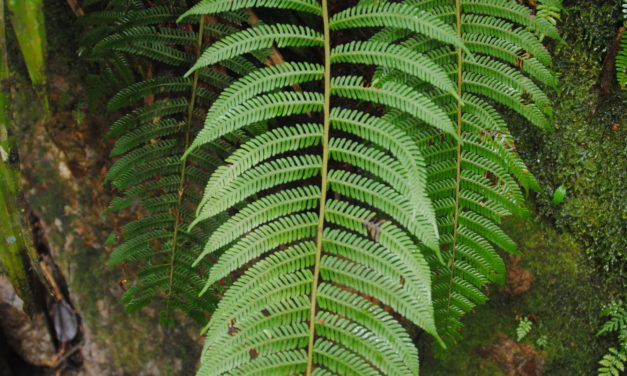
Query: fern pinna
(330, 219)
(157, 187)
(621, 57)
(474, 179)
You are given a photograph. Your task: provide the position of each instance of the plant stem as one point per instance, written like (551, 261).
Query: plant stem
(323, 184)
(458, 166)
(27, 17)
(188, 127)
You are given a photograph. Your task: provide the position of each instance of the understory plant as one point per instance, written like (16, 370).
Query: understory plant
(346, 187)
(613, 362)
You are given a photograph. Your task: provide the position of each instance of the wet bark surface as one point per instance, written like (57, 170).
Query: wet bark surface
(82, 328)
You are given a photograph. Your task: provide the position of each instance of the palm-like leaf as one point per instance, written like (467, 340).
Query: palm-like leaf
(330, 218)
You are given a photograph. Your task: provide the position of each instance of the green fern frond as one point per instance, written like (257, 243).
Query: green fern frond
(524, 327)
(328, 216)
(258, 38)
(617, 314)
(142, 89)
(260, 148)
(164, 191)
(393, 56)
(216, 7)
(621, 57)
(145, 35)
(398, 16)
(475, 179)
(511, 11)
(613, 363)
(342, 204)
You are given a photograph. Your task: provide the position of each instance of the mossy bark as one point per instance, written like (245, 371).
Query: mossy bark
(15, 247)
(587, 150)
(63, 160)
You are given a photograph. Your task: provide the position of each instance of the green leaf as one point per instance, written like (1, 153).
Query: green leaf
(559, 194)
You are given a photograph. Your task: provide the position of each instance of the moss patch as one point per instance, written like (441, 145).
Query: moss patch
(587, 151)
(565, 298)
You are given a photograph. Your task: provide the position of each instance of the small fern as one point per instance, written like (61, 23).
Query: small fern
(549, 10)
(621, 57)
(542, 341)
(613, 363)
(523, 328)
(617, 314)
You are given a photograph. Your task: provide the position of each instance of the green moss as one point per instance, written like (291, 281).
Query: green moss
(587, 151)
(565, 298)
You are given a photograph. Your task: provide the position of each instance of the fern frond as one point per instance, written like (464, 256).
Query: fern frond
(140, 90)
(511, 11)
(342, 207)
(250, 40)
(259, 109)
(613, 363)
(262, 81)
(621, 57)
(474, 180)
(329, 216)
(216, 7)
(393, 57)
(276, 142)
(152, 179)
(398, 16)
